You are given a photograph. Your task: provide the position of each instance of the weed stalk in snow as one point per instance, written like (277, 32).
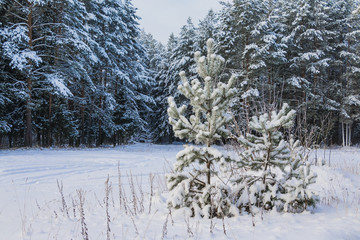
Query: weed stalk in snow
(151, 180)
(107, 193)
(84, 229)
(164, 229)
(122, 195)
(140, 198)
(133, 193)
(133, 221)
(74, 207)
(64, 205)
(223, 224)
(188, 228)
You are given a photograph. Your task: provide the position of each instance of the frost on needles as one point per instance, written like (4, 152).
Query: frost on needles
(269, 173)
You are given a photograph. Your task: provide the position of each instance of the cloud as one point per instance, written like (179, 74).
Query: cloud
(163, 17)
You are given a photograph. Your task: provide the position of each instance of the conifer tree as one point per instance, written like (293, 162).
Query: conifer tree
(180, 60)
(133, 100)
(23, 37)
(348, 54)
(276, 172)
(200, 188)
(176, 59)
(296, 196)
(248, 44)
(71, 72)
(155, 62)
(162, 131)
(309, 53)
(208, 28)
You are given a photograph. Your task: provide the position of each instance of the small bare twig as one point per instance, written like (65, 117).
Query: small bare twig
(151, 180)
(122, 195)
(133, 193)
(84, 229)
(73, 206)
(223, 223)
(140, 198)
(133, 221)
(188, 228)
(165, 230)
(107, 193)
(64, 206)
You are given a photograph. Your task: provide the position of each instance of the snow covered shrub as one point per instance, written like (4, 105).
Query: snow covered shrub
(276, 173)
(198, 183)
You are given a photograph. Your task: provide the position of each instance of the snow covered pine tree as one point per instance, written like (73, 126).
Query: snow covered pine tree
(276, 173)
(198, 183)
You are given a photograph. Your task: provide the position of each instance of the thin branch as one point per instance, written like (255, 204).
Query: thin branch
(19, 3)
(219, 178)
(21, 18)
(195, 178)
(46, 24)
(34, 23)
(53, 57)
(38, 39)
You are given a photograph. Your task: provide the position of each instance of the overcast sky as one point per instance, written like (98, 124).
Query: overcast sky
(163, 17)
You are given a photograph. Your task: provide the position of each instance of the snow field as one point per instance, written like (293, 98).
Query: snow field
(31, 204)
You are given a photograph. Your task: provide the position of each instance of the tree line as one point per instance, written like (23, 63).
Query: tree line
(72, 73)
(301, 52)
(82, 73)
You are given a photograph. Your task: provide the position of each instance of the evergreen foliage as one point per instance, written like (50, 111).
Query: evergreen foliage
(299, 52)
(72, 73)
(277, 174)
(80, 73)
(201, 189)
(270, 173)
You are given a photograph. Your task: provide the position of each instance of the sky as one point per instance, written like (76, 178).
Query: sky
(163, 17)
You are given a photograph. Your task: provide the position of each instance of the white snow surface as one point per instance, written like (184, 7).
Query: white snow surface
(31, 205)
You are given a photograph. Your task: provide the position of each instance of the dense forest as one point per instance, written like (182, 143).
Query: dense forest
(82, 73)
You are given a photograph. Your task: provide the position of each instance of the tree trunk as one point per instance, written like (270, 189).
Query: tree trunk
(28, 134)
(342, 133)
(208, 166)
(349, 134)
(49, 137)
(269, 87)
(10, 140)
(98, 142)
(82, 114)
(39, 137)
(247, 116)
(304, 108)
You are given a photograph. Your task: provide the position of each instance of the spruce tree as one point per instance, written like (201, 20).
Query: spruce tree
(196, 182)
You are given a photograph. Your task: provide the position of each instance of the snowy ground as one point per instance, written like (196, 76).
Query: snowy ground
(31, 204)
